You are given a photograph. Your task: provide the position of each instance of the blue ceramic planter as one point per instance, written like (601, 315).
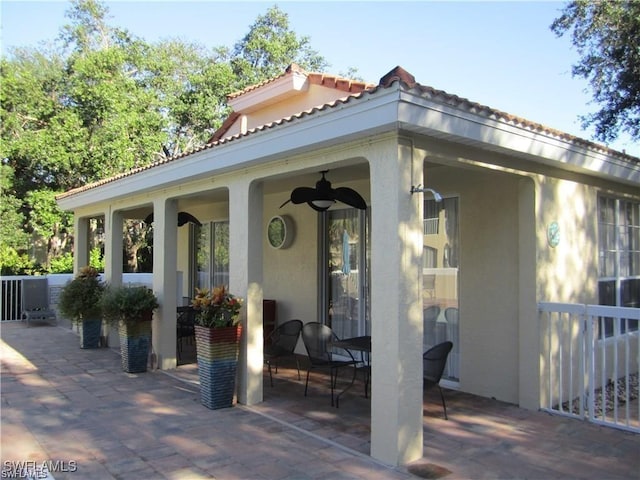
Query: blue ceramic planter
(90, 330)
(135, 342)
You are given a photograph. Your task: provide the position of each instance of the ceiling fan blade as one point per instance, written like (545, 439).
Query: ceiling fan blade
(303, 195)
(184, 217)
(350, 197)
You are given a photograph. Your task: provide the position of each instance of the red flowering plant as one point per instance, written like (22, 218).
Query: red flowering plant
(216, 307)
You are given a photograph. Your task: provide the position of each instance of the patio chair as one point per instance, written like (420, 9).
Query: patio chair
(430, 318)
(185, 327)
(282, 343)
(35, 301)
(317, 339)
(433, 362)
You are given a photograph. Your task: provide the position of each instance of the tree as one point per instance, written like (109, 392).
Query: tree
(101, 101)
(269, 47)
(606, 35)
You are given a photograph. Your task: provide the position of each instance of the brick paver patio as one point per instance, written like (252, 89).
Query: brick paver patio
(76, 407)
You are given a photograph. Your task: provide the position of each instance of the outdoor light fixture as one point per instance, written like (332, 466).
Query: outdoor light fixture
(436, 196)
(323, 196)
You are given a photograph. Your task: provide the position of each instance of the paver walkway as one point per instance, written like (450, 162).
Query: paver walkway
(77, 407)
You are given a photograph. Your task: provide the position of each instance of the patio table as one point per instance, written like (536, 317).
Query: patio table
(360, 344)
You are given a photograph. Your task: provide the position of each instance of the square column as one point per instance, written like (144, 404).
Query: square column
(165, 264)
(113, 247)
(246, 233)
(81, 243)
(396, 304)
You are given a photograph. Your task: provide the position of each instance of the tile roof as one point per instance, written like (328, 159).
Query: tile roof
(356, 91)
(331, 81)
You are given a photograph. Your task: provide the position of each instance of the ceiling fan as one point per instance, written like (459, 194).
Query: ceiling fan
(323, 196)
(183, 218)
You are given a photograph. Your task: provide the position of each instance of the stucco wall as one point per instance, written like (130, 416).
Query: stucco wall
(488, 278)
(290, 274)
(569, 272)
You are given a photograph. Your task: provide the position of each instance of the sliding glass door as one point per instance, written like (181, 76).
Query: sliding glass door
(441, 271)
(345, 271)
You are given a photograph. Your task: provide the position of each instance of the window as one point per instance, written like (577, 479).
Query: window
(212, 255)
(618, 259)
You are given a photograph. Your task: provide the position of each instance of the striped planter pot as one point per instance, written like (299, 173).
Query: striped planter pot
(135, 341)
(90, 330)
(217, 350)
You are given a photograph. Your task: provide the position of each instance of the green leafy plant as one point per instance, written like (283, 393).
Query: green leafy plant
(216, 308)
(128, 304)
(80, 298)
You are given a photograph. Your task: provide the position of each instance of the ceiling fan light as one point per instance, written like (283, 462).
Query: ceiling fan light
(322, 204)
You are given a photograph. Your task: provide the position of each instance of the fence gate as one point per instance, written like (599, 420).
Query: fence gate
(590, 363)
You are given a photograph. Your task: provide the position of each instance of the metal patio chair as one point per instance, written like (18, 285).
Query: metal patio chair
(433, 362)
(317, 339)
(282, 343)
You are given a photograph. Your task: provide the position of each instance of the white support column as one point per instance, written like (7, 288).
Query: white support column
(113, 247)
(80, 243)
(246, 233)
(165, 264)
(396, 305)
(112, 263)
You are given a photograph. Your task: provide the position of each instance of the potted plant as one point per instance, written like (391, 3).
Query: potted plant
(131, 308)
(218, 334)
(80, 302)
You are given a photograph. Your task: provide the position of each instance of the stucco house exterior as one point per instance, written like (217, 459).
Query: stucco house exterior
(521, 221)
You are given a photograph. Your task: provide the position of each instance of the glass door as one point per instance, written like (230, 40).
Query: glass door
(441, 271)
(345, 272)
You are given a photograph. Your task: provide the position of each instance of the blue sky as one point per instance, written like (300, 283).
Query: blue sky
(500, 54)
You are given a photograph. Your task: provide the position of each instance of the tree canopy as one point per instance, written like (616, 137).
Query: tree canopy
(607, 37)
(101, 101)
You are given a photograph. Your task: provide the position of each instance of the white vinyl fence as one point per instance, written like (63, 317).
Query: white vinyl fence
(11, 291)
(590, 363)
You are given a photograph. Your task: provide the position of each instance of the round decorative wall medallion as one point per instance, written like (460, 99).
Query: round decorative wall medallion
(280, 231)
(553, 234)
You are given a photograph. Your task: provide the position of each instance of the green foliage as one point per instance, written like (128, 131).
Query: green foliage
(101, 101)
(80, 298)
(14, 263)
(606, 35)
(128, 304)
(12, 225)
(62, 263)
(96, 260)
(269, 47)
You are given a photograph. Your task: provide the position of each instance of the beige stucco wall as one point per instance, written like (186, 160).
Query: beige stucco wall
(315, 96)
(488, 206)
(290, 274)
(569, 272)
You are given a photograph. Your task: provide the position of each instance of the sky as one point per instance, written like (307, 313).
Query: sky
(501, 54)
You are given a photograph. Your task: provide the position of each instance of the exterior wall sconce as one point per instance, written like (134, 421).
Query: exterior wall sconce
(436, 196)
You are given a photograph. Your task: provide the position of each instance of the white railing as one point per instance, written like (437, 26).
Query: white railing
(11, 290)
(430, 226)
(585, 373)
